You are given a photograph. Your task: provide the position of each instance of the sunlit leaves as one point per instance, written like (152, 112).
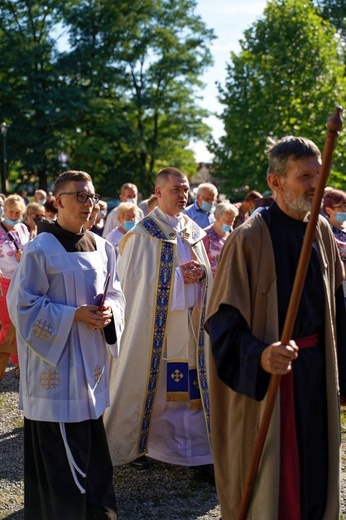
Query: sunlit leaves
(286, 80)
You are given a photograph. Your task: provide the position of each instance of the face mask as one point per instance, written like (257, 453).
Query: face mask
(226, 228)
(41, 202)
(11, 222)
(206, 206)
(134, 201)
(1, 211)
(340, 217)
(102, 214)
(128, 224)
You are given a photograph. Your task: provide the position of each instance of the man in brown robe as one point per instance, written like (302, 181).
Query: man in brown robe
(299, 470)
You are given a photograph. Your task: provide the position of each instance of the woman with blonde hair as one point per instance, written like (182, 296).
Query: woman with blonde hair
(34, 212)
(13, 237)
(128, 215)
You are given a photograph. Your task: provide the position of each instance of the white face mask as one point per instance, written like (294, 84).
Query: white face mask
(134, 201)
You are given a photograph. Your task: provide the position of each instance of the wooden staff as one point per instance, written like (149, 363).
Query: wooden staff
(334, 125)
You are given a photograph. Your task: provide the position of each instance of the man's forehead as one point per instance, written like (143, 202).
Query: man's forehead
(207, 191)
(129, 190)
(178, 182)
(305, 162)
(80, 186)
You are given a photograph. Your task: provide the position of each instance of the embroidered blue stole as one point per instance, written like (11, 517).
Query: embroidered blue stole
(163, 292)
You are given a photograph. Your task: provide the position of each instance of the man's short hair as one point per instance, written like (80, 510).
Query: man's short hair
(41, 192)
(286, 149)
(70, 176)
(130, 186)
(164, 174)
(207, 186)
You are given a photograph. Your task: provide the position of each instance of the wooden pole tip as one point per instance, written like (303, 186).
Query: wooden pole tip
(334, 123)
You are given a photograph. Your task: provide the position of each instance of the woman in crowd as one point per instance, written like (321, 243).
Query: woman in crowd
(34, 212)
(51, 208)
(334, 207)
(128, 215)
(94, 212)
(13, 237)
(225, 214)
(99, 221)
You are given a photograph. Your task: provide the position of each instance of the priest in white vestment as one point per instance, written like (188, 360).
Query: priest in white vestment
(159, 382)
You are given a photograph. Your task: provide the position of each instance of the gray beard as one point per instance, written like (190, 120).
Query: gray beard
(298, 204)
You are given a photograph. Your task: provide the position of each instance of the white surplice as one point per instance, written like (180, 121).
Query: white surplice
(64, 364)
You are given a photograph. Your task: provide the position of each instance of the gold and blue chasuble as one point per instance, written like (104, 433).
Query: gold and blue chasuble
(184, 383)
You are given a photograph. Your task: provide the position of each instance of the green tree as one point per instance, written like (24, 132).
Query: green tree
(335, 12)
(120, 99)
(286, 80)
(30, 94)
(139, 62)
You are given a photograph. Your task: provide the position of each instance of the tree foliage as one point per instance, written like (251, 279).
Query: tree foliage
(119, 99)
(335, 12)
(286, 80)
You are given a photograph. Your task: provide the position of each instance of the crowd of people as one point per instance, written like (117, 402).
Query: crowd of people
(152, 333)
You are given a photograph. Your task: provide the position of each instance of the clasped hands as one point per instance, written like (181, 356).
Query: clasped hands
(277, 358)
(192, 271)
(93, 316)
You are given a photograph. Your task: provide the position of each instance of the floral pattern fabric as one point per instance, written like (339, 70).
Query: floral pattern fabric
(213, 244)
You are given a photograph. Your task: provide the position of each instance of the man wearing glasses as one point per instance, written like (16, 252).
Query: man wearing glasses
(63, 333)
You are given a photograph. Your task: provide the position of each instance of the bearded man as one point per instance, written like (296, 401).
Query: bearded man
(299, 470)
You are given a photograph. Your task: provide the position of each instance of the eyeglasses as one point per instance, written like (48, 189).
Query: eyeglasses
(343, 206)
(82, 196)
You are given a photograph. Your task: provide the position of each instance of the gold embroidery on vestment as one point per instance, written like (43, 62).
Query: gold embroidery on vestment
(42, 329)
(97, 374)
(50, 378)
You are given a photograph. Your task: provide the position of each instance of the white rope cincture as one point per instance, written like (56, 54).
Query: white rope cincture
(71, 461)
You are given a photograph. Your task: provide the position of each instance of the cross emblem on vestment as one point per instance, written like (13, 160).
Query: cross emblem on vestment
(177, 375)
(50, 378)
(42, 329)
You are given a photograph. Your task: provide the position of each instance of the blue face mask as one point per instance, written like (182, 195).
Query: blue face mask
(206, 206)
(133, 201)
(128, 224)
(226, 229)
(41, 202)
(1, 211)
(340, 217)
(12, 222)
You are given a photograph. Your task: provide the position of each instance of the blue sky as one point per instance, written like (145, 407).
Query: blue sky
(229, 19)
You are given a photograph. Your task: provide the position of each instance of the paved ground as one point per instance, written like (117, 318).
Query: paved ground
(162, 493)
